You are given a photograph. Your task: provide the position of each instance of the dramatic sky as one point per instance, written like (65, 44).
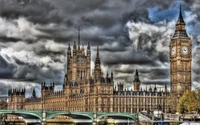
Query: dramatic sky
(131, 34)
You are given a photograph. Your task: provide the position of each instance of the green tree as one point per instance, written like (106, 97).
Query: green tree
(172, 102)
(3, 104)
(197, 91)
(188, 101)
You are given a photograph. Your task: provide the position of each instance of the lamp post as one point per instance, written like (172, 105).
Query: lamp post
(159, 111)
(95, 118)
(43, 112)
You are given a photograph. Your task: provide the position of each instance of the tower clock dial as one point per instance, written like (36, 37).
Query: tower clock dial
(173, 50)
(185, 50)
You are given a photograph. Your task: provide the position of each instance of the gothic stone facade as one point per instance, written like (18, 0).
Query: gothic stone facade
(98, 93)
(82, 92)
(180, 59)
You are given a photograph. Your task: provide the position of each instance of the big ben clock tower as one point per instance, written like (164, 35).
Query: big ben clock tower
(180, 59)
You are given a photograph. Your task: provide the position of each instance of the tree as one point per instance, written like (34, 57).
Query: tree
(3, 104)
(172, 102)
(197, 91)
(188, 101)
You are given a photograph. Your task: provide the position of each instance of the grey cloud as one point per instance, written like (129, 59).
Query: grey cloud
(102, 22)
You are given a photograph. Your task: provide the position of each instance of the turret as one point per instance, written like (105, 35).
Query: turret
(69, 51)
(83, 50)
(150, 89)
(13, 95)
(107, 75)
(155, 88)
(74, 49)
(120, 87)
(34, 93)
(111, 75)
(43, 84)
(88, 61)
(97, 70)
(165, 88)
(53, 84)
(9, 92)
(79, 38)
(136, 82)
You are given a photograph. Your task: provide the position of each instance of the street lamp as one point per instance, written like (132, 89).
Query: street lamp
(159, 111)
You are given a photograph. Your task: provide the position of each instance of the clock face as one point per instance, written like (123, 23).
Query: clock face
(185, 50)
(173, 50)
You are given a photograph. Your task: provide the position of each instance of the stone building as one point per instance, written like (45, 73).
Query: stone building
(180, 59)
(86, 91)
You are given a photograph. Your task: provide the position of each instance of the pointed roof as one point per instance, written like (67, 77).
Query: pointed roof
(34, 93)
(69, 48)
(136, 72)
(74, 44)
(180, 31)
(97, 51)
(136, 76)
(180, 18)
(88, 47)
(79, 38)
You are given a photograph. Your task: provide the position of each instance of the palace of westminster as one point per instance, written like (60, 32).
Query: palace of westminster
(83, 91)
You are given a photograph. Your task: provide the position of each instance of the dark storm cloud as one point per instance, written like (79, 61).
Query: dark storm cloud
(37, 11)
(9, 39)
(130, 58)
(100, 13)
(37, 32)
(157, 73)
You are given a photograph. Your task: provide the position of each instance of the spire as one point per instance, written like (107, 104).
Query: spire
(74, 44)
(97, 52)
(136, 76)
(69, 48)
(88, 47)
(180, 18)
(165, 88)
(33, 93)
(97, 70)
(150, 89)
(78, 38)
(44, 83)
(155, 89)
(97, 61)
(107, 74)
(180, 31)
(136, 73)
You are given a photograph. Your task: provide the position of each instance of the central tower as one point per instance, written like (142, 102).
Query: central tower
(180, 59)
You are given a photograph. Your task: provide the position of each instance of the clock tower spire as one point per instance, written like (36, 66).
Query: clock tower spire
(180, 59)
